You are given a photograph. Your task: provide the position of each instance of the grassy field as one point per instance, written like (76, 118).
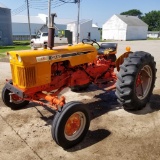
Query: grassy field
(17, 45)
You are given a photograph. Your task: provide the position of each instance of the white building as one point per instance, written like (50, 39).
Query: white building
(86, 30)
(153, 34)
(20, 27)
(123, 27)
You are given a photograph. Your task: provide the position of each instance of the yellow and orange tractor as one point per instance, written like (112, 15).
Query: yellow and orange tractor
(39, 75)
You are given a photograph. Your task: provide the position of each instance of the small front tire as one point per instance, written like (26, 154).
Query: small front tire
(70, 125)
(17, 102)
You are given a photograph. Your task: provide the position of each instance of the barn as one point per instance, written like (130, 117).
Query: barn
(123, 27)
(5, 26)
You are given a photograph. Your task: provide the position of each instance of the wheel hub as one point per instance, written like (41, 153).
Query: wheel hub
(74, 126)
(143, 82)
(15, 98)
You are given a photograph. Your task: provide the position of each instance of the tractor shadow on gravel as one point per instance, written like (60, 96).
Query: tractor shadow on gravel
(107, 102)
(152, 106)
(97, 107)
(103, 103)
(155, 102)
(100, 104)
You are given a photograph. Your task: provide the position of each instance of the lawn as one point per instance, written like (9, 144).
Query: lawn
(17, 45)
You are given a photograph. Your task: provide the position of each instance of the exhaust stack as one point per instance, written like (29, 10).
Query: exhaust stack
(51, 31)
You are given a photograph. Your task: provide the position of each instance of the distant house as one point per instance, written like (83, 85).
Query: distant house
(86, 30)
(123, 27)
(153, 34)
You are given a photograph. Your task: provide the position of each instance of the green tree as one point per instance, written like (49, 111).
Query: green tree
(133, 12)
(153, 20)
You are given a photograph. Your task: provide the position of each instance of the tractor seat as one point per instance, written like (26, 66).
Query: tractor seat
(107, 48)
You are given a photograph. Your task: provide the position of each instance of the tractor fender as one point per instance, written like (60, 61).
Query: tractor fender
(120, 59)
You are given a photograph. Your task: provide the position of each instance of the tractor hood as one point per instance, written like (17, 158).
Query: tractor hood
(76, 54)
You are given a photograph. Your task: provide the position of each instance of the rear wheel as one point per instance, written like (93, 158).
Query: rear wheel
(136, 80)
(70, 125)
(16, 102)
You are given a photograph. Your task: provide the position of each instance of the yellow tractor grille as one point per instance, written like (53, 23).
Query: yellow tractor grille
(26, 76)
(12, 71)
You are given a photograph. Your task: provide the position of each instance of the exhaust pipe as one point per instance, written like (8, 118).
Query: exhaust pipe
(51, 32)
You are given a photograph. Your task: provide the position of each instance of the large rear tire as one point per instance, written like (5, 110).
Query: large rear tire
(70, 125)
(136, 80)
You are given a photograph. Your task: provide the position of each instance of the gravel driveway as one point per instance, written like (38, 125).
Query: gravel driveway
(114, 133)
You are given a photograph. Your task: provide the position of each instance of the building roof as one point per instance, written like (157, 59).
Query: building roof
(24, 19)
(40, 19)
(94, 25)
(131, 20)
(63, 21)
(82, 21)
(2, 6)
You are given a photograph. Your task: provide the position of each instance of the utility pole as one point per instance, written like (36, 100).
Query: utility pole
(28, 18)
(49, 12)
(78, 2)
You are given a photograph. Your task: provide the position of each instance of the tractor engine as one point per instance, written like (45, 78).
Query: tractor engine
(99, 71)
(102, 69)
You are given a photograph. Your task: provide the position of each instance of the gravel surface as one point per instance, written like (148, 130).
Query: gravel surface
(4, 59)
(114, 133)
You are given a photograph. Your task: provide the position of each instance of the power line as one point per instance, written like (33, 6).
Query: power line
(20, 9)
(41, 5)
(71, 1)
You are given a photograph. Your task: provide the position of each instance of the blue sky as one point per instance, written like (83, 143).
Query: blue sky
(97, 10)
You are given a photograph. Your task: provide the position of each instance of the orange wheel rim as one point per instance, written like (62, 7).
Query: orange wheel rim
(144, 82)
(138, 81)
(15, 97)
(73, 124)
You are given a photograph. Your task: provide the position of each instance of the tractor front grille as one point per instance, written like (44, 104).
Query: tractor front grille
(26, 76)
(12, 71)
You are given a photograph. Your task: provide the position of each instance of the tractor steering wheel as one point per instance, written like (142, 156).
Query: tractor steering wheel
(90, 41)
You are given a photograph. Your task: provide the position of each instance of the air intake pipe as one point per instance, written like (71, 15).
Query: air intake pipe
(51, 31)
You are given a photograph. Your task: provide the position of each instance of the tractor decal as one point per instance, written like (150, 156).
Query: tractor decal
(58, 56)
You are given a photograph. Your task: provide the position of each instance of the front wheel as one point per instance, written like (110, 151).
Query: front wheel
(70, 125)
(16, 102)
(136, 80)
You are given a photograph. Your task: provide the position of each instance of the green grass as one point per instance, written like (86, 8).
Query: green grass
(153, 38)
(17, 45)
(21, 43)
(2, 55)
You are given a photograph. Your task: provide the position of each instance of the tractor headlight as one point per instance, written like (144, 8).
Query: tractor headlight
(19, 58)
(128, 48)
(10, 57)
